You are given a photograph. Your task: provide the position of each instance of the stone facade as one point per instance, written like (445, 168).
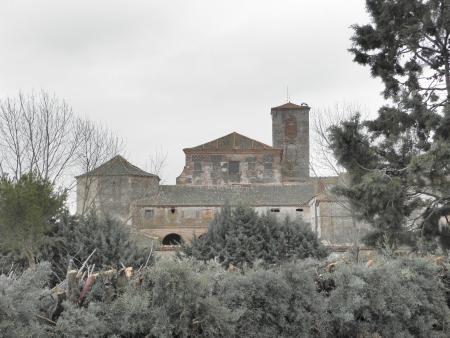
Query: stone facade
(112, 188)
(232, 159)
(290, 132)
(232, 169)
(333, 221)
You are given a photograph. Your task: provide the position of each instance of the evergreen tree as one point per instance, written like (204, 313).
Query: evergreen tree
(240, 236)
(399, 163)
(29, 208)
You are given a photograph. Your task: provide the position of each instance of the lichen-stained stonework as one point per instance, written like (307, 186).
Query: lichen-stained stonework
(232, 169)
(232, 159)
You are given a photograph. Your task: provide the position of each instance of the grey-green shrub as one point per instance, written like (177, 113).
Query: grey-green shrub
(397, 298)
(278, 302)
(21, 299)
(400, 298)
(81, 322)
(175, 300)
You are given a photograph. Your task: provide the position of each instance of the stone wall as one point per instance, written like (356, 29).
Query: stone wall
(217, 169)
(113, 194)
(187, 221)
(334, 224)
(290, 132)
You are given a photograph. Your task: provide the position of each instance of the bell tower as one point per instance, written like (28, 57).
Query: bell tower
(290, 132)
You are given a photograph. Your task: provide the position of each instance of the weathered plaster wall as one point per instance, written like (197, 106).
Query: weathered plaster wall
(185, 221)
(216, 169)
(334, 224)
(113, 194)
(87, 190)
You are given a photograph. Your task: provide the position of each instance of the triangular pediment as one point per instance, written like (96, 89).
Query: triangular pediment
(233, 141)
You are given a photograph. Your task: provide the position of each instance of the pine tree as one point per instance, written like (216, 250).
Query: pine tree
(399, 163)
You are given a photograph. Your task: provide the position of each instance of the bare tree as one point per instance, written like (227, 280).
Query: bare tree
(323, 162)
(96, 145)
(39, 133)
(157, 163)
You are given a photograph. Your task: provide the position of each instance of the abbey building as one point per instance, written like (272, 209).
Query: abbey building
(230, 169)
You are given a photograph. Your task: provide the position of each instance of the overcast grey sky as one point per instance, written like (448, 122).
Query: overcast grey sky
(175, 74)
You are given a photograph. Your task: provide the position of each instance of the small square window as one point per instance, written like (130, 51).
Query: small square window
(173, 210)
(149, 213)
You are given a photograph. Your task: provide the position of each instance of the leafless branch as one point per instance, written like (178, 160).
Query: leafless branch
(157, 162)
(39, 133)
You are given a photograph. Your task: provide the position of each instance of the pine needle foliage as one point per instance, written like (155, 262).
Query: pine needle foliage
(398, 163)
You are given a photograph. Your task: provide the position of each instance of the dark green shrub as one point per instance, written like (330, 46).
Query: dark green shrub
(29, 207)
(75, 238)
(240, 236)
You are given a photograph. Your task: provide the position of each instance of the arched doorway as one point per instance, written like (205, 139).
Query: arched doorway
(172, 239)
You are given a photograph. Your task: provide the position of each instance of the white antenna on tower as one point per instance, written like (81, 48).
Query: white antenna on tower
(288, 99)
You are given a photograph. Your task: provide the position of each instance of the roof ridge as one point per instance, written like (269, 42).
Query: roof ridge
(234, 135)
(289, 105)
(117, 166)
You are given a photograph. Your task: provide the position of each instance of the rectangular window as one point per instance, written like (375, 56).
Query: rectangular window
(197, 166)
(299, 210)
(275, 210)
(149, 213)
(233, 167)
(268, 165)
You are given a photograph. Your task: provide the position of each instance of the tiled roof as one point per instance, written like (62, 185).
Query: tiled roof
(290, 106)
(117, 166)
(233, 141)
(261, 195)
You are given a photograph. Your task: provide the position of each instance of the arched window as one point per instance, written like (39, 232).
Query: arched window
(172, 239)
